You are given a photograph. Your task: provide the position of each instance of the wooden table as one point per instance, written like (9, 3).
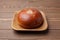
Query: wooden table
(51, 8)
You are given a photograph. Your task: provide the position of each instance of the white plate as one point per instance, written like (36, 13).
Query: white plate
(16, 27)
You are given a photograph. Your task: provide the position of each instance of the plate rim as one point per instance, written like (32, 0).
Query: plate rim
(30, 29)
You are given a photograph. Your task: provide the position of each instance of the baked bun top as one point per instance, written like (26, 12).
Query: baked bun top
(30, 18)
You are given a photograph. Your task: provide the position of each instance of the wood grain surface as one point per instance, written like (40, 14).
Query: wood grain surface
(51, 8)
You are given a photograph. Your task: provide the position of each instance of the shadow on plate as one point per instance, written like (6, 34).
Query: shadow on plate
(32, 32)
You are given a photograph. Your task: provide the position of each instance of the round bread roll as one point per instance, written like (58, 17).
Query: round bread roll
(30, 18)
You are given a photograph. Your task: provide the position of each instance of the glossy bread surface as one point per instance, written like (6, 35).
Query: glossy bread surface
(30, 18)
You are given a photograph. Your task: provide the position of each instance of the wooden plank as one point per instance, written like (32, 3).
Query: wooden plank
(53, 24)
(53, 15)
(14, 5)
(10, 34)
(6, 15)
(50, 13)
(10, 15)
(3, 39)
(52, 10)
(30, 39)
(5, 24)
